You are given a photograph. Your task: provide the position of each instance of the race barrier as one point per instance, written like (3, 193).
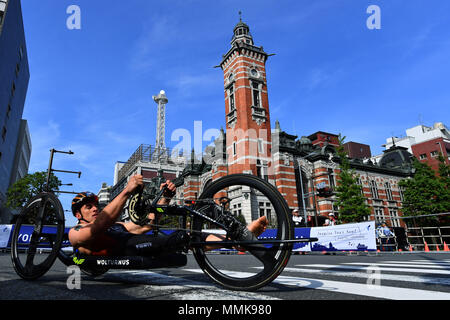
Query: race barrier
(25, 235)
(345, 237)
(5, 235)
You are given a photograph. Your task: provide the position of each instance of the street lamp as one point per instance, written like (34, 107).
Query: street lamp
(303, 195)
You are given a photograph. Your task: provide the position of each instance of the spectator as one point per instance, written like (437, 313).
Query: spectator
(296, 218)
(384, 234)
(331, 221)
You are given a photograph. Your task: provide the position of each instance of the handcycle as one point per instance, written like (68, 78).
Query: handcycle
(224, 207)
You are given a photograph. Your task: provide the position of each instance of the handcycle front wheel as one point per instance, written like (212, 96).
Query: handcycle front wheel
(249, 198)
(37, 236)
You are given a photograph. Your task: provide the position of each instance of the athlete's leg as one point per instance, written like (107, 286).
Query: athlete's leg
(256, 227)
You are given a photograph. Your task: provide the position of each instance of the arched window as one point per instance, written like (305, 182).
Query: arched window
(387, 187)
(231, 96)
(373, 189)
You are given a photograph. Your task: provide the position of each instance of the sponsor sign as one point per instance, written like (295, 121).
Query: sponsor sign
(344, 237)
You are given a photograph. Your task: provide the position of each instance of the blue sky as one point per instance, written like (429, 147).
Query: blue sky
(91, 89)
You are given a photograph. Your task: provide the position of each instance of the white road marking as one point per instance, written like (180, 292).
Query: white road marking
(432, 263)
(402, 266)
(383, 276)
(179, 288)
(396, 269)
(375, 291)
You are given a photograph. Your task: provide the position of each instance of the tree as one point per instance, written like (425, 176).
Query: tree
(444, 197)
(24, 189)
(349, 198)
(425, 193)
(444, 172)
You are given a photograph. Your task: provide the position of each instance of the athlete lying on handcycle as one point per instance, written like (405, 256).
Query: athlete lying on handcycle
(99, 233)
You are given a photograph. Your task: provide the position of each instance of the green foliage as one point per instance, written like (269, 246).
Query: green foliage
(349, 197)
(24, 189)
(426, 193)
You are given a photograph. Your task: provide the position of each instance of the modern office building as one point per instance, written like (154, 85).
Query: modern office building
(425, 143)
(14, 77)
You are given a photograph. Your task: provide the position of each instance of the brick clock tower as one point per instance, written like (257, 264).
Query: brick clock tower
(248, 134)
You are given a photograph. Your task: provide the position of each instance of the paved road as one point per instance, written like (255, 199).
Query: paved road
(420, 276)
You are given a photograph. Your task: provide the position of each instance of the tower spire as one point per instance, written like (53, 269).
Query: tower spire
(161, 100)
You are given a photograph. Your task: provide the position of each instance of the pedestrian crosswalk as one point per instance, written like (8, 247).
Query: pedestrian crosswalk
(386, 279)
(383, 279)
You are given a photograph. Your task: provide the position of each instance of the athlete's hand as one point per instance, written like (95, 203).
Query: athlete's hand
(170, 190)
(135, 182)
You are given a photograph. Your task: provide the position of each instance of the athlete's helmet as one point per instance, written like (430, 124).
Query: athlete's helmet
(81, 199)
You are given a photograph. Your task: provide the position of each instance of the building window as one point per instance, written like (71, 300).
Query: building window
(13, 89)
(401, 193)
(261, 169)
(234, 148)
(256, 100)
(265, 209)
(423, 156)
(331, 178)
(373, 189)
(359, 183)
(260, 146)
(434, 154)
(379, 215)
(17, 70)
(393, 213)
(387, 187)
(231, 97)
(287, 160)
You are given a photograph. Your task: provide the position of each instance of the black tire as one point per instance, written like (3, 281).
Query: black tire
(45, 216)
(281, 226)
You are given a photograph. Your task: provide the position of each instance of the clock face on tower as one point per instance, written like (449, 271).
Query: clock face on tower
(254, 73)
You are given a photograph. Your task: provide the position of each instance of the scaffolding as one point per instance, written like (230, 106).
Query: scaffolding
(145, 153)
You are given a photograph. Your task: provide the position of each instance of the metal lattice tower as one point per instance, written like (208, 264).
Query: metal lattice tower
(161, 100)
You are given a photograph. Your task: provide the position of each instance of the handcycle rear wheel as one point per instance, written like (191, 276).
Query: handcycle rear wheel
(37, 236)
(250, 198)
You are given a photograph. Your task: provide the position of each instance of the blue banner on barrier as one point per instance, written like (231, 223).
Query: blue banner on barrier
(25, 235)
(345, 237)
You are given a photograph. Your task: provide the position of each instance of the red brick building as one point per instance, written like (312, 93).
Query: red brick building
(428, 151)
(297, 167)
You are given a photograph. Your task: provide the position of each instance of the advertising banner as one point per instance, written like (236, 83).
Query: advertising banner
(344, 237)
(5, 233)
(25, 235)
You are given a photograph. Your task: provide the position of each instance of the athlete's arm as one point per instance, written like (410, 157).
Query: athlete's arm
(107, 217)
